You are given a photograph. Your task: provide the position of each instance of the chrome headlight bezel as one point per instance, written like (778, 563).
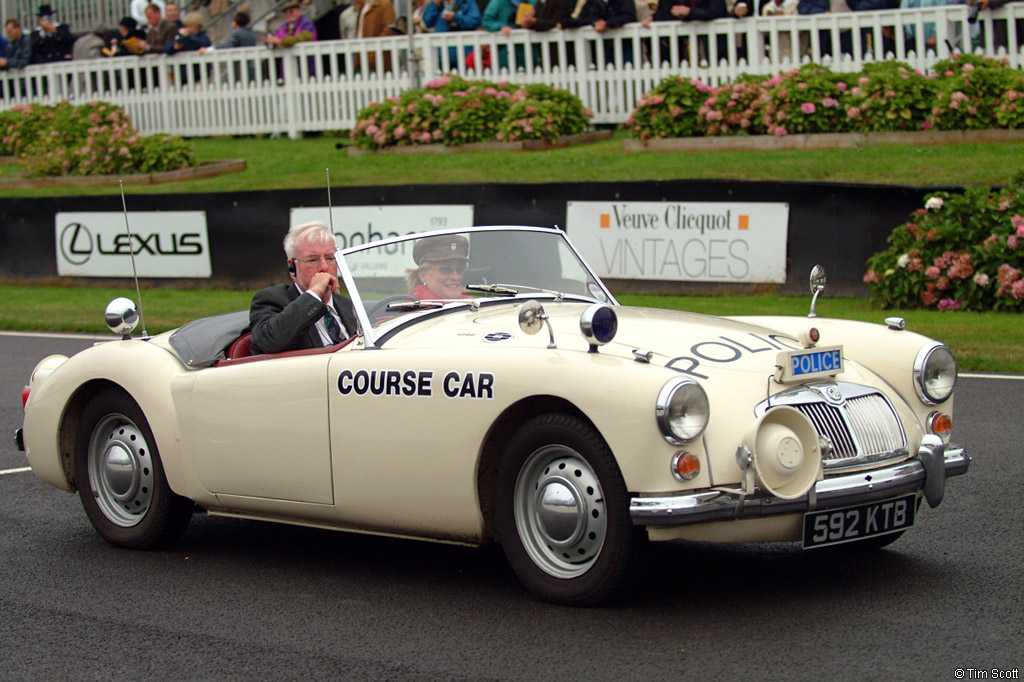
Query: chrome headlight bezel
(687, 394)
(929, 360)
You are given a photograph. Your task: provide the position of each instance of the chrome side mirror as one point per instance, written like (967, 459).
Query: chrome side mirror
(532, 318)
(122, 317)
(818, 281)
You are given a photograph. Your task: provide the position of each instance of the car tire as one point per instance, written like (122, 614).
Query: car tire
(120, 477)
(563, 513)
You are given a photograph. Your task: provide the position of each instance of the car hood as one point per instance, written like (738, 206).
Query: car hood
(687, 342)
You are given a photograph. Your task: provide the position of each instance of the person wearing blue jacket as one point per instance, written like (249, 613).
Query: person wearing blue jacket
(452, 15)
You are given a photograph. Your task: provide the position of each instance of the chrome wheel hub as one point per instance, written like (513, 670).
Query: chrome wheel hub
(560, 511)
(120, 470)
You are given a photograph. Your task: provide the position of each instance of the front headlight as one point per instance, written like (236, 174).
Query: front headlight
(934, 373)
(682, 411)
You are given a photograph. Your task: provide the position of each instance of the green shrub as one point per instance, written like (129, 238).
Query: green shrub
(671, 109)
(90, 139)
(452, 110)
(963, 93)
(959, 252)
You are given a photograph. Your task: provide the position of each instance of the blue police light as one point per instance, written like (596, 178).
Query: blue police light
(599, 324)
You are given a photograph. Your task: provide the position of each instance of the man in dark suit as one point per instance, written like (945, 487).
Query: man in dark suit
(308, 313)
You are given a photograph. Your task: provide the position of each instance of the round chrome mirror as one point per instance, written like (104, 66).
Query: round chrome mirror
(531, 317)
(122, 317)
(818, 279)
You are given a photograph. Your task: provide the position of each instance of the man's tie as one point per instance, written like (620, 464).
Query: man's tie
(333, 328)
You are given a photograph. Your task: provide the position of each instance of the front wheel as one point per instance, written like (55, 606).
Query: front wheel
(120, 477)
(563, 512)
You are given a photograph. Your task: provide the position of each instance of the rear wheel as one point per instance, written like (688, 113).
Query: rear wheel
(563, 512)
(120, 477)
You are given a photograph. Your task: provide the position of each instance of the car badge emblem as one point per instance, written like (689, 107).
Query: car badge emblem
(455, 246)
(494, 337)
(834, 394)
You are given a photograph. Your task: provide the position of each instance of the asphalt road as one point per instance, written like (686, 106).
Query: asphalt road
(239, 600)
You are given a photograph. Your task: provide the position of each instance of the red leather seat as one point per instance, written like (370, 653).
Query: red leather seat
(240, 347)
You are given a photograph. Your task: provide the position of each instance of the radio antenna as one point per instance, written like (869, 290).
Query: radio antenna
(330, 208)
(131, 251)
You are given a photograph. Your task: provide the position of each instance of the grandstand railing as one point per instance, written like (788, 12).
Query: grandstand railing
(322, 86)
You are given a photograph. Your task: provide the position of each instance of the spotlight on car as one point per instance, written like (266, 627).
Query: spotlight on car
(122, 317)
(599, 324)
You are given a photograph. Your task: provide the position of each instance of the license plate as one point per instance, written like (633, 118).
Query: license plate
(836, 526)
(810, 364)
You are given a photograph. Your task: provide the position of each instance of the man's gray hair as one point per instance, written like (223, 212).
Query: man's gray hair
(314, 233)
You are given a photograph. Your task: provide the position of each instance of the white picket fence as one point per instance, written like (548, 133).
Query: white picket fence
(322, 86)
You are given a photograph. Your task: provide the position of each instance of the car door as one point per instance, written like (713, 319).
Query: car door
(260, 429)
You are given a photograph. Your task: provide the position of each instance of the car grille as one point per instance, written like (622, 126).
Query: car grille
(862, 428)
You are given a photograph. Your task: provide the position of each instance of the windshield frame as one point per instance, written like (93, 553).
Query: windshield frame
(371, 339)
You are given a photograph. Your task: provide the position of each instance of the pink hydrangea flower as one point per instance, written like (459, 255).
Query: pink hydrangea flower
(841, 86)
(780, 131)
(981, 279)
(1011, 242)
(808, 108)
(1018, 289)
(947, 304)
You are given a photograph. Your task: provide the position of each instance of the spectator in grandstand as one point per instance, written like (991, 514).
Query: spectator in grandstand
(138, 9)
(19, 47)
(548, 14)
(418, 26)
(159, 30)
(449, 16)
(90, 45)
(690, 10)
(191, 37)
(129, 41)
(298, 28)
(51, 42)
(241, 35)
(376, 19)
(173, 14)
(778, 8)
(505, 15)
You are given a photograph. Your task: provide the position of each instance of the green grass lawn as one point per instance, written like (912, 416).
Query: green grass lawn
(288, 164)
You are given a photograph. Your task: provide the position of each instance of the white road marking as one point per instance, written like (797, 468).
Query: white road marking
(1014, 377)
(15, 471)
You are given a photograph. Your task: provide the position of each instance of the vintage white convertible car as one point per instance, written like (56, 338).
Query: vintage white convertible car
(535, 412)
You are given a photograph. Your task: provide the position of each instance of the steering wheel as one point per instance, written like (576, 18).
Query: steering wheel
(382, 305)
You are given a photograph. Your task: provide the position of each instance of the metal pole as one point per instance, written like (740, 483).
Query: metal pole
(414, 59)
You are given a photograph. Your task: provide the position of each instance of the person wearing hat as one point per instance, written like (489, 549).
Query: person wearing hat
(441, 262)
(297, 28)
(128, 41)
(309, 312)
(51, 42)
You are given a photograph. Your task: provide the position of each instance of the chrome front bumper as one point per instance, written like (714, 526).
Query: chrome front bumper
(934, 464)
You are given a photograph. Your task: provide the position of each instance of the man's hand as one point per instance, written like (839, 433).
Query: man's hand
(681, 11)
(600, 25)
(646, 22)
(529, 19)
(448, 15)
(506, 31)
(323, 285)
